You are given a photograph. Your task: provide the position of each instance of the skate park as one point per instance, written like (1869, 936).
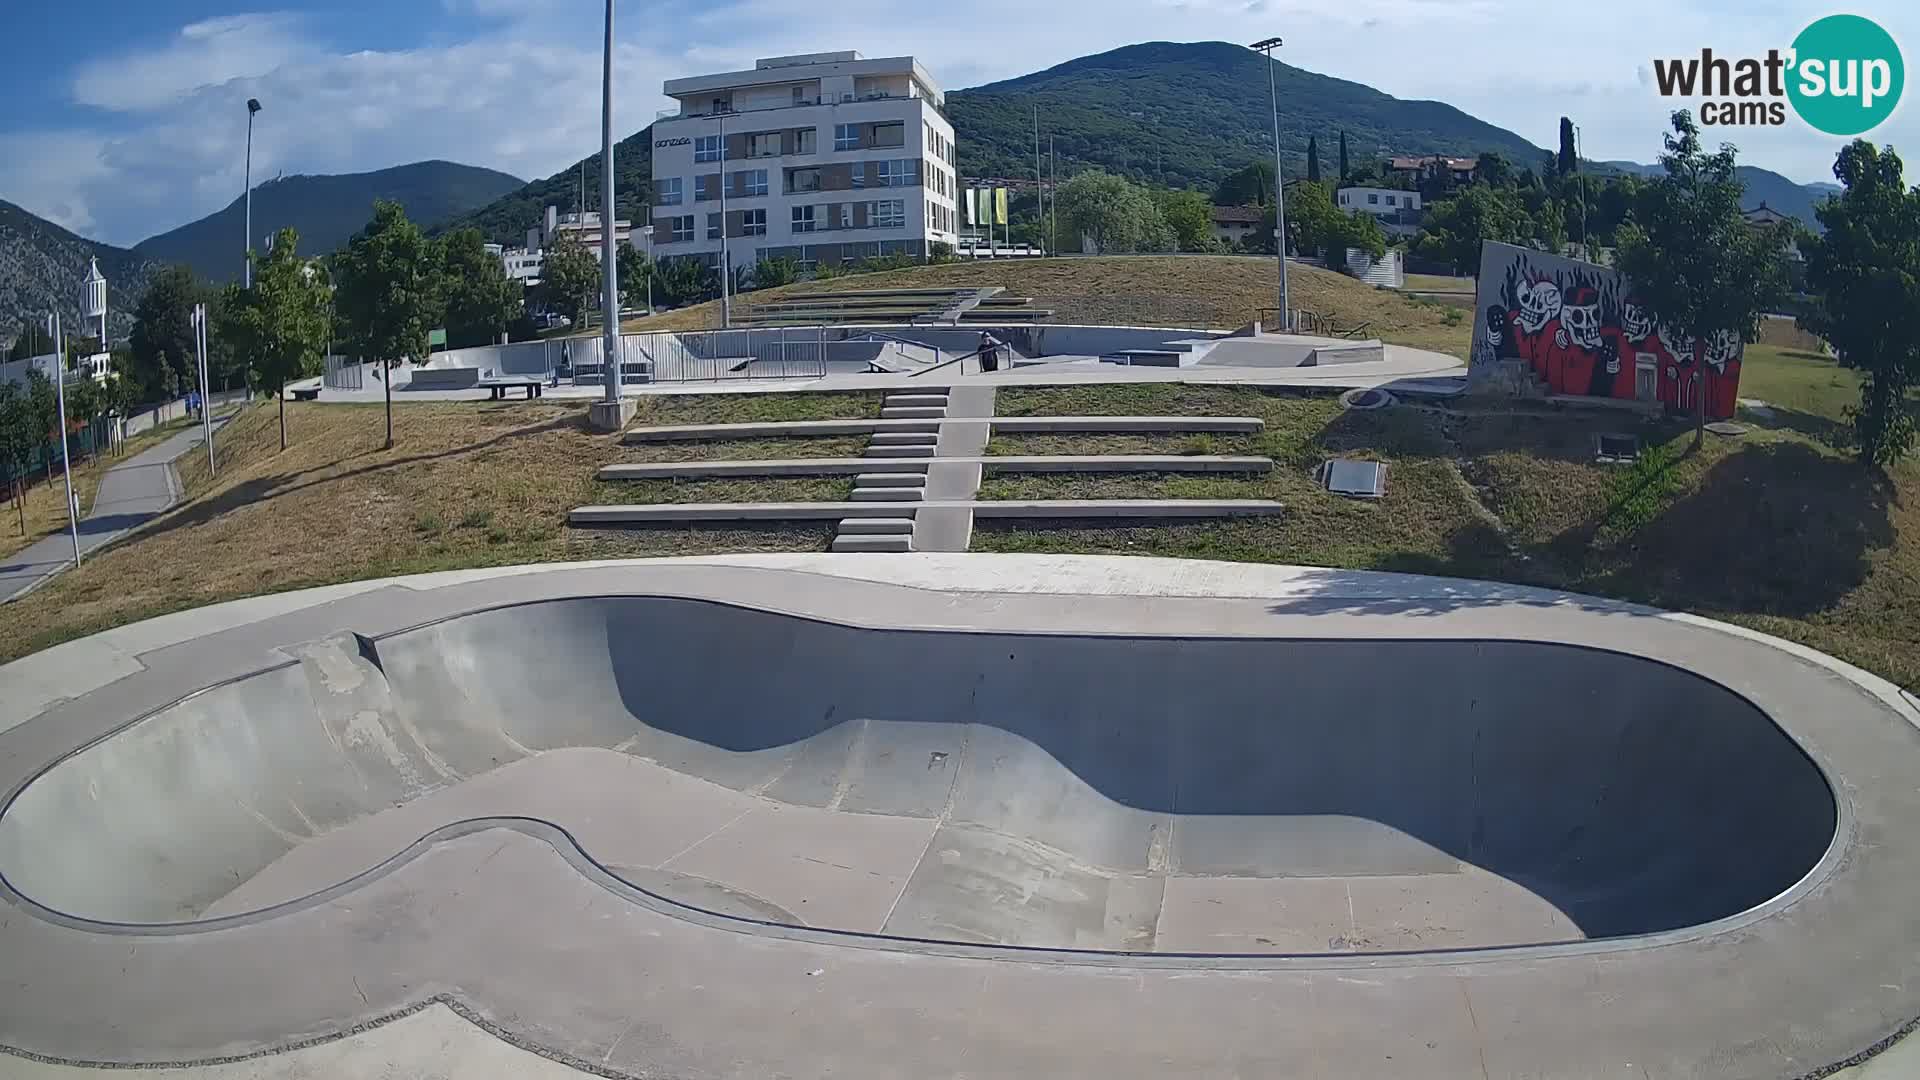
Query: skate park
(960, 815)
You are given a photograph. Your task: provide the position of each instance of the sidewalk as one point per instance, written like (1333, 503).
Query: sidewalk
(131, 494)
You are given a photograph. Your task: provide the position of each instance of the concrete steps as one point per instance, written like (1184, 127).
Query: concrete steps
(883, 543)
(909, 471)
(894, 526)
(915, 400)
(913, 412)
(922, 451)
(914, 494)
(890, 480)
(1033, 510)
(905, 438)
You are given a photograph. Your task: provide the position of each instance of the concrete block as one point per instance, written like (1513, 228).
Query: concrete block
(905, 438)
(657, 513)
(911, 400)
(1127, 509)
(924, 451)
(776, 429)
(1121, 463)
(891, 480)
(876, 526)
(888, 494)
(686, 470)
(611, 415)
(1042, 424)
(913, 412)
(874, 542)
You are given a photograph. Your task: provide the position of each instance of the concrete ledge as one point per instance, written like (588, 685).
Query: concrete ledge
(775, 429)
(1062, 509)
(1040, 424)
(1075, 463)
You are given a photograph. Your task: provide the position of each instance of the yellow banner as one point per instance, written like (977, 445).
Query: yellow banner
(999, 206)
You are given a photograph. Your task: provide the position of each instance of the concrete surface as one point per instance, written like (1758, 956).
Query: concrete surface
(511, 921)
(1055, 509)
(1006, 463)
(1030, 424)
(131, 494)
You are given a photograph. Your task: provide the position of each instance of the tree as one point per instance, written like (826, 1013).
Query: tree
(1116, 214)
(1550, 225)
(1249, 185)
(34, 340)
(1190, 216)
(389, 293)
(1494, 169)
(686, 280)
(481, 300)
(1358, 231)
(569, 278)
(1313, 159)
(281, 323)
(1455, 228)
(1313, 221)
(163, 336)
(772, 273)
(1568, 161)
(18, 441)
(635, 271)
(1345, 171)
(1866, 272)
(1692, 256)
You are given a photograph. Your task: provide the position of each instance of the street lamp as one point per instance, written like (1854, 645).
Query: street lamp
(1265, 48)
(66, 462)
(726, 262)
(609, 261)
(253, 106)
(647, 232)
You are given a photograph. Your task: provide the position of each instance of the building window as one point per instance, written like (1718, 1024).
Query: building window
(753, 223)
(749, 183)
(803, 219)
(713, 226)
(706, 188)
(894, 134)
(846, 136)
(765, 144)
(682, 228)
(898, 173)
(859, 177)
(799, 180)
(888, 214)
(1372, 198)
(842, 215)
(799, 95)
(707, 147)
(666, 191)
(804, 141)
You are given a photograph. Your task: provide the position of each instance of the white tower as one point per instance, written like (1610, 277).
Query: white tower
(94, 305)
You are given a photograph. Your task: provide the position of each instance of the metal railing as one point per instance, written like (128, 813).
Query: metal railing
(707, 356)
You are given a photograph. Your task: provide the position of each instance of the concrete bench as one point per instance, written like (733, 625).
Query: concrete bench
(497, 387)
(306, 393)
(451, 378)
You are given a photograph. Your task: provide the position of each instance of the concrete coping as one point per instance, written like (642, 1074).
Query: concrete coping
(1009, 463)
(1040, 509)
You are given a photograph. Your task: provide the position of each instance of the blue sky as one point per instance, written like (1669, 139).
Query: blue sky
(125, 118)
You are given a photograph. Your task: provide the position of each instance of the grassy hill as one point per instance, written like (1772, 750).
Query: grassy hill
(1219, 292)
(43, 265)
(327, 210)
(1185, 114)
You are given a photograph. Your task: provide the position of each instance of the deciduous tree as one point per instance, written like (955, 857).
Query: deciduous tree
(569, 279)
(1455, 228)
(1116, 214)
(1865, 271)
(1692, 256)
(280, 324)
(388, 293)
(163, 337)
(481, 300)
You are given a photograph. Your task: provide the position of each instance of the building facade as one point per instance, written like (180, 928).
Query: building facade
(821, 158)
(1399, 212)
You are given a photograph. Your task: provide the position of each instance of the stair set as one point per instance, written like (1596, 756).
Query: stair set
(906, 488)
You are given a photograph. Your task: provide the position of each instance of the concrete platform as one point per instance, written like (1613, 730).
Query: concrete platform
(967, 815)
(1030, 509)
(1008, 463)
(1025, 424)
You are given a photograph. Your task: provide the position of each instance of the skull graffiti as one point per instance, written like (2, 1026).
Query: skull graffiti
(1581, 318)
(1496, 325)
(1539, 303)
(1723, 346)
(1636, 320)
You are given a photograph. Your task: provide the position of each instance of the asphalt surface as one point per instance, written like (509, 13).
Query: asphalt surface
(131, 494)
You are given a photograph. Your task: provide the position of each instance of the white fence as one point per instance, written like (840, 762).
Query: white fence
(1388, 271)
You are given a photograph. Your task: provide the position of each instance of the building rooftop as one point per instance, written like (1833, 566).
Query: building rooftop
(776, 70)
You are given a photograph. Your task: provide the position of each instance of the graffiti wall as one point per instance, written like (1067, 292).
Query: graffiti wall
(1562, 326)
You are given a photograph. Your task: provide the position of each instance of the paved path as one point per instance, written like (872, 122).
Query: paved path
(131, 494)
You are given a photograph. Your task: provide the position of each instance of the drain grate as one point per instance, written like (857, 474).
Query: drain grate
(1616, 449)
(1361, 479)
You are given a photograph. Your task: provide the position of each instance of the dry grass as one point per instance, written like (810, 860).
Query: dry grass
(663, 410)
(467, 485)
(1204, 292)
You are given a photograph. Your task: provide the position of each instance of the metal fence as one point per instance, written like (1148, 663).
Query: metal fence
(704, 356)
(344, 373)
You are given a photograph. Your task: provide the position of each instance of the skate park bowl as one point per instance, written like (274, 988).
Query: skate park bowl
(1129, 794)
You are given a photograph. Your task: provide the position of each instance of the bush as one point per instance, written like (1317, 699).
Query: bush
(940, 252)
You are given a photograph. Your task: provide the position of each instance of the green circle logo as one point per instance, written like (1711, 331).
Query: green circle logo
(1847, 75)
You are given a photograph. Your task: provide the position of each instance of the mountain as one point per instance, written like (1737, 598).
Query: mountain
(507, 218)
(327, 211)
(1763, 186)
(42, 267)
(1185, 115)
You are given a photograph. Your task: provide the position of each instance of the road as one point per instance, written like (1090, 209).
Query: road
(131, 494)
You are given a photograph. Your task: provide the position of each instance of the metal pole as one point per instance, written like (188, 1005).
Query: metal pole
(1279, 185)
(1579, 175)
(609, 247)
(66, 463)
(1039, 181)
(253, 106)
(726, 262)
(206, 403)
(1053, 195)
(648, 233)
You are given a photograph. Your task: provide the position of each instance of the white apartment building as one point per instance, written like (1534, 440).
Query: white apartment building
(587, 228)
(1380, 202)
(826, 158)
(521, 264)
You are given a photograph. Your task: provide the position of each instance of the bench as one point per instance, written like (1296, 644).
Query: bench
(310, 393)
(497, 387)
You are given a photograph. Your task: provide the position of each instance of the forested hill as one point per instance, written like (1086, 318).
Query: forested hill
(43, 265)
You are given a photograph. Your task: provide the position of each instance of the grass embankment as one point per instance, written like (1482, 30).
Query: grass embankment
(1779, 529)
(468, 484)
(46, 503)
(1202, 292)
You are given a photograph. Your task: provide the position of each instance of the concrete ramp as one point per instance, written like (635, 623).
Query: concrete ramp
(1139, 794)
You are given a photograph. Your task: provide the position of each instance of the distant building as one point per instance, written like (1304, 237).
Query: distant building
(521, 264)
(1232, 224)
(1765, 215)
(1399, 211)
(820, 158)
(587, 228)
(1459, 170)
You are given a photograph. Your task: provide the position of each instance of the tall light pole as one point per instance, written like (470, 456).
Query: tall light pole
(1265, 48)
(647, 231)
(726, 262)
(609, 246)
(66, 463)
(253, 106)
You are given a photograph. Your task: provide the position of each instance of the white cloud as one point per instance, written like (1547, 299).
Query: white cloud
(203, 54)
(518, 87)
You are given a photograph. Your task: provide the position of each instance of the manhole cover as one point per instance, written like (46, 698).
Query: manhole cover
(1366, 399)
(1727, 428)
